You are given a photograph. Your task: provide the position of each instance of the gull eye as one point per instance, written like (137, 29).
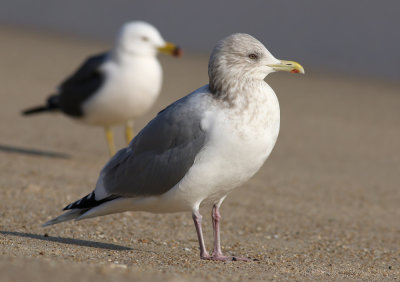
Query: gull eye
(145, 38)
(253, 56)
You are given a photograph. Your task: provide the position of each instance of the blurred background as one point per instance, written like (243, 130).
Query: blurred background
(353, 37)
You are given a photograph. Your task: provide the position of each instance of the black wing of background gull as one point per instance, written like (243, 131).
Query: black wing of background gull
(76, 89)
(83, 84)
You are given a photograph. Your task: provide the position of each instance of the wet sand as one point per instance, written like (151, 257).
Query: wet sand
(325, 206)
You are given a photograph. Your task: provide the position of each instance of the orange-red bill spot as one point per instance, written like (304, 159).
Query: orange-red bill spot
(177, 52)
(294, 71)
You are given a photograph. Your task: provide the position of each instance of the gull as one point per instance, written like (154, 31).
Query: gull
(117, 86)
(200, 147)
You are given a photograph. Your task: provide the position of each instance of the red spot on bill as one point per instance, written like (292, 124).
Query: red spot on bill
(294, 71)
(177, 52)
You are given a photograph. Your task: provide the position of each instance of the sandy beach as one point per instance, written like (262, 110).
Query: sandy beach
(325, 206)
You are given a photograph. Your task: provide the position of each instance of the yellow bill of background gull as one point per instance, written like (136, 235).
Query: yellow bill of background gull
(199, 148)
(117, 86)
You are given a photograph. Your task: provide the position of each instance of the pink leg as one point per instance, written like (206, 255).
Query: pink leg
(197, 223)
(217, 252)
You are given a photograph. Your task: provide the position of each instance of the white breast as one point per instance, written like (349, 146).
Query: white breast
(129, 91)
(237, 146)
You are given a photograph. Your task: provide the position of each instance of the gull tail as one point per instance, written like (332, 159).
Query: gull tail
(78, 210)
(51, 105)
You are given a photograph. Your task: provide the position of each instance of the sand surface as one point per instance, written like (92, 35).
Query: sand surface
(325, 206)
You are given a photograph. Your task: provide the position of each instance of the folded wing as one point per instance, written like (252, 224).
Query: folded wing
(158, 157)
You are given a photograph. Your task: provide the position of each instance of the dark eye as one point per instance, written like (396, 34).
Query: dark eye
(253, 56)
(145, 38)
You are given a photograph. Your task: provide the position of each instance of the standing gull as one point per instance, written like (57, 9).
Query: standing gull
(117, 86)
(199, 148)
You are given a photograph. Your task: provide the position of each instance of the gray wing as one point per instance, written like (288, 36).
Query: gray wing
(85, 82)
(159, 156)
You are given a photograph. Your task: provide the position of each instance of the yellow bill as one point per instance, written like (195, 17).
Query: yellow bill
(288, 66)
(171, 49)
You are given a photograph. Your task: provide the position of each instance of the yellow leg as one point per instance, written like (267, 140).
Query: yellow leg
(110, 140)
(129, 133)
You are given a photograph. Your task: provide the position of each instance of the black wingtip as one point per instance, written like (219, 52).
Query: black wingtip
(51, 105)
(35, 110)
(87, 202)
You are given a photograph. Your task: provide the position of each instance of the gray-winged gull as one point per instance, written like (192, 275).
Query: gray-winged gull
(199, 148)
(117, 86)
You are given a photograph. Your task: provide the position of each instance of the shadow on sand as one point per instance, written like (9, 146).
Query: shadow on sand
(69, 241)
(32, 152)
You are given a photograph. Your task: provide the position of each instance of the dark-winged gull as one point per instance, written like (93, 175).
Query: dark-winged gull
(117, 86)
(199, 148)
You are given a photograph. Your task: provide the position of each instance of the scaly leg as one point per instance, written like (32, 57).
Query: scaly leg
(129, 133)
(217, 252)
(216, 217)
(197, 223)
(110, 140)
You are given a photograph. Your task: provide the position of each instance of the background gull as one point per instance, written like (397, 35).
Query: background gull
(117, 86)
(199, 148)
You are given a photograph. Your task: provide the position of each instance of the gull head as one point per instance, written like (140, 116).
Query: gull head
(242, 57)
(143, 39)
